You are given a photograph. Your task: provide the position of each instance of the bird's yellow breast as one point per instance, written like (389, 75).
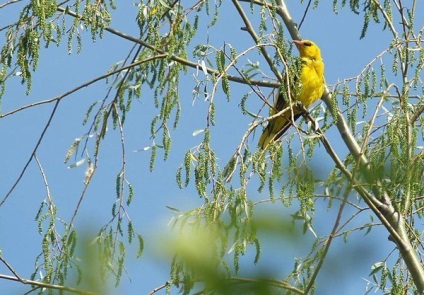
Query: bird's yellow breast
(312, 79)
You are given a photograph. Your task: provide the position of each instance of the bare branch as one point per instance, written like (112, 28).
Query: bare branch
(61, 96)
(276, 283)
(327, 244)
(8, 3)
(47, 286)
(166, 284)
(11, 269)
(43, 132)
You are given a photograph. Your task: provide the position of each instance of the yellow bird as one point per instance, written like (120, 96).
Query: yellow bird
(312, 87)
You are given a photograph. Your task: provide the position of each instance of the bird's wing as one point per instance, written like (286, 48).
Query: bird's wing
(278, 126)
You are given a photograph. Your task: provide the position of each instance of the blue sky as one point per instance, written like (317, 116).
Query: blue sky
(344, 55)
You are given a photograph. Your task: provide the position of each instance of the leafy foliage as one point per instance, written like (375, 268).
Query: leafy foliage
(384, 133)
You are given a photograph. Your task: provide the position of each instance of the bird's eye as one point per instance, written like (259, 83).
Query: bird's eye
(307, 43)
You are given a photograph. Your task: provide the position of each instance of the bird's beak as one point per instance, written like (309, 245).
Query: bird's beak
(298, 43)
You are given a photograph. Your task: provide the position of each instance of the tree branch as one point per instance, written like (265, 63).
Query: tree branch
(43, 132)
(327, 243)
(276, 283)
(177, 58)
(47, 286)
(9, 2)
(86, 84)
(416, 115)
(255, 38)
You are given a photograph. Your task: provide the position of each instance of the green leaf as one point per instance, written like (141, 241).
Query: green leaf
(140, 245)
(376, 267)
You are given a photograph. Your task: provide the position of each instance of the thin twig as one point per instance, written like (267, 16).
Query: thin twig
(304, 14)
(47, 286)
(166, 284)
(43, 132)
(274, 282)
(327, 244)
(59, 97)
(416, 115)
(8, 3)
(256, 39)
(12, 270)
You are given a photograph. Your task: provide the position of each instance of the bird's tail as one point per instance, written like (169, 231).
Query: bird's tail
(278, 126)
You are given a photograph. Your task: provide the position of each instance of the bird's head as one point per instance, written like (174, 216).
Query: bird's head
(308, 49)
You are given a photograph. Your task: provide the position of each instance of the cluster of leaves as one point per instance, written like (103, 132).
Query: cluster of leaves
(43, 20)
(58, 251)
(371, 9)
(230, 211)
(168, 30)
(389, 135)
(206, 236)
(392, 134)
(384, 105)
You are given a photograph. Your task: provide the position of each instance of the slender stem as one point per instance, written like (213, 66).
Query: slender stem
(277, 283)
(256, 39)
(86, 84)
(11, 269)
(328, 243)
(166, 284)
(416, 115)
(47, 286)
(8, 3)
(31, 157)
